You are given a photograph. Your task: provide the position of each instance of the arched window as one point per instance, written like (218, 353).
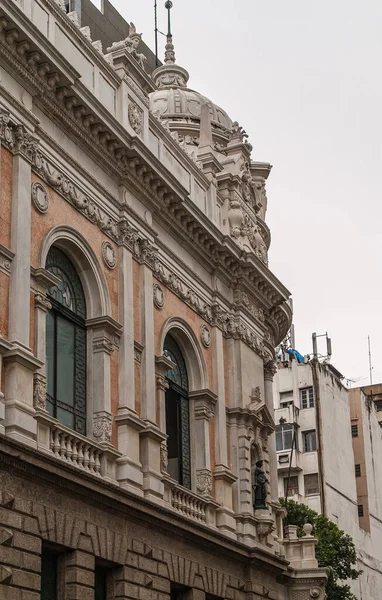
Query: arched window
(177, 416)
(66, 344)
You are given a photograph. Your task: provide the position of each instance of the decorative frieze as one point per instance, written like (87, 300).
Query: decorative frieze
(40, 197)
(108, 255)
(143, 249)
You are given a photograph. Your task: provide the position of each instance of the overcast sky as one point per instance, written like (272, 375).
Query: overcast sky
(304, 79)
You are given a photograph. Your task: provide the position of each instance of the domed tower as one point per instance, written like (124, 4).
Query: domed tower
(220, 148)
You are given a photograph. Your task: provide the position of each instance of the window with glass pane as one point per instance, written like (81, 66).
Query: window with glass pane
(307, 399)
(311, 484)
(66, 345)
(292, 486)
(100, 582)
(310, 443)
(177, 416)
(284, 437)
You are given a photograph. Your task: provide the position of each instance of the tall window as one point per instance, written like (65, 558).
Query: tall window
(66, 345)
(284, 437)
(292, 487)
(307, 399)
(309, 439)
(49, 570)
(177, 416)
(354, 430)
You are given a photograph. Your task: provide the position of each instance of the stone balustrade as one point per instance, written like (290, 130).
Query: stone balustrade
(190, 505)
(75, 449)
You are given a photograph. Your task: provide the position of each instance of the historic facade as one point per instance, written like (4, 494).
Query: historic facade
(138, 320)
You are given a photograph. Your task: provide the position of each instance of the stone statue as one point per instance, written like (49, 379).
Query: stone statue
(259, 487)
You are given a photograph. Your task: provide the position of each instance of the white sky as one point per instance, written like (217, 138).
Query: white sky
(304, 80)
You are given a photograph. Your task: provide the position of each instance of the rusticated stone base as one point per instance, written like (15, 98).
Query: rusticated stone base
(145, 548)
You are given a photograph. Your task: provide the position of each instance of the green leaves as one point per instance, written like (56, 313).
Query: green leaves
(335, 548)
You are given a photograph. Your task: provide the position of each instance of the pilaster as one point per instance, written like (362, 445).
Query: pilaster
(269, 372)
(203, 402)
(104, 334)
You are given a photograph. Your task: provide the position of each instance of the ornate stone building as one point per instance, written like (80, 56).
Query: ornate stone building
(138, 321)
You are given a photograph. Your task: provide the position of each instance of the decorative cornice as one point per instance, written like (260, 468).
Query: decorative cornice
(132, 160)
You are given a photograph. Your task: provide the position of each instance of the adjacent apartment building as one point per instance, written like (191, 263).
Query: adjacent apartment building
(334, 466)
(138, 321)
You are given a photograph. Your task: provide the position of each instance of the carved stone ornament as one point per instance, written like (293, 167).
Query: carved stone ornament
(204, 482)
(108, 255)
(40, 197)
(102, 427)
(163, 457)
(158, 295)
(270, 370)
(39, 391)
(314, 593)
(205, 336)
(135, 116)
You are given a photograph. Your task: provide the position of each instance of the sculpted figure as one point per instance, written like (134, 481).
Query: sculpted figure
(259, 487)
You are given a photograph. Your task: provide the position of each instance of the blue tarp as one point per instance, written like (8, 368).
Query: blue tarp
(296, 355)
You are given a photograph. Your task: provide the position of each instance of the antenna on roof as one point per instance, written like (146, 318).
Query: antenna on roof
(370, 367)
(156, 31)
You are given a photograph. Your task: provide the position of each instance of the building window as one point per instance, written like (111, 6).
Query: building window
(378, 405)
(306, 397)
(286, 399)
(292, 487)
(177, 416)
(360, 510)
(357, 469)
(354, 430)
(311, 484)
(309, 440)
(66, 345)
(284, 437)
(49, 577)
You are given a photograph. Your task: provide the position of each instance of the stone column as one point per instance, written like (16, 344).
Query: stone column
(204, 407)
(269, 372)
(223, 475)
(19, 361)
(79, 576)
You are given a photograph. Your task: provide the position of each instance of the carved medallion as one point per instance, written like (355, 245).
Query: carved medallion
(102, 428)
(40, 197)
(205, 336)
(158, 295)
(204, 482)
(108, 255)
(135, 116)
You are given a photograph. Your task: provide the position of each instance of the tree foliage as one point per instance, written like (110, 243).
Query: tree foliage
(335, 548)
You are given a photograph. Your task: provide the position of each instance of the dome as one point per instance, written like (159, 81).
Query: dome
(184, 104)
(180, 106)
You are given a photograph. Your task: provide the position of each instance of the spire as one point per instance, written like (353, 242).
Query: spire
(169, 55)
(170, 75)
